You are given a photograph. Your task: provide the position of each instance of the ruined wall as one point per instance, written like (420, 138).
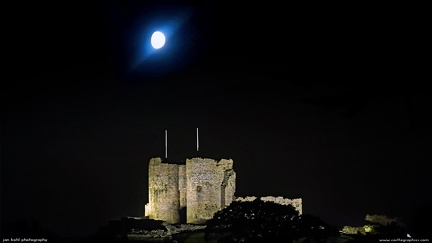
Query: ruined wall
(210, 186)
(296, 203)
(182, 186)
(164, 191)
(382, 219)
(203, 186)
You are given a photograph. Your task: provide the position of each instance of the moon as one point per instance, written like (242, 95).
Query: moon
(158, 40)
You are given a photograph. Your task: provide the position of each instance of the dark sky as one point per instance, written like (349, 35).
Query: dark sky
(322, 102)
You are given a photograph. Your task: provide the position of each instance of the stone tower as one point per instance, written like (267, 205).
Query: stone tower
(202, 186)
(164, 191)
(210, 186)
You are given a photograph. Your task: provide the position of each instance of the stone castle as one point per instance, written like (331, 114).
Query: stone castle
(201, 187)
(191, 193)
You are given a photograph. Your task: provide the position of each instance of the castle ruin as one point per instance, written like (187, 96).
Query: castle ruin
(201, 187)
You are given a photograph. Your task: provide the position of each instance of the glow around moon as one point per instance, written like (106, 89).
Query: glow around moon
(158, 40)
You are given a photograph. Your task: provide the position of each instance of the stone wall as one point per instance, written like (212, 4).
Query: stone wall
(182, 186)
(164, 191)
(296, 203)
(382, 219)
(210, 186)
(202, 187)
(353, 230)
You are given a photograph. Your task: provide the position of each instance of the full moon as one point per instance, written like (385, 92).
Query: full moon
(157, 39)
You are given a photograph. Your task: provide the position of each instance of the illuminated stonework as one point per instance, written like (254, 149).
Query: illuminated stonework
(296, 202)
(374, 224)
(202, 186)
(198, 189)
(164, 191)
(210, 186)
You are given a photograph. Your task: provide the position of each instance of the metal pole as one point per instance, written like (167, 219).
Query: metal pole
(166, 144)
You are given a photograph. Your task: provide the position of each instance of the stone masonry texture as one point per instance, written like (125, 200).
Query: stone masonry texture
(201, 187)
(210, 186)
(164, 192)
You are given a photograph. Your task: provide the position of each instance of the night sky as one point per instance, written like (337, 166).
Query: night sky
(323, 102)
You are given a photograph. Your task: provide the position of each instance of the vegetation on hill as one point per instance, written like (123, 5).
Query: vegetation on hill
(259, 221)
